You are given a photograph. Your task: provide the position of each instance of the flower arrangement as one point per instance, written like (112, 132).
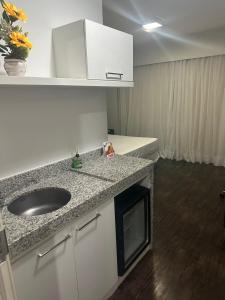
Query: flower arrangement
(14, 44)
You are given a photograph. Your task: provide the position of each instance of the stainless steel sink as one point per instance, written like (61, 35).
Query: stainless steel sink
(39, 202)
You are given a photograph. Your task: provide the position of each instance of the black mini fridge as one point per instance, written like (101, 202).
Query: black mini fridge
(133, 225)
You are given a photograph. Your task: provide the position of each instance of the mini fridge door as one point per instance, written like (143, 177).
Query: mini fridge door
(7, 288)
(133, 232)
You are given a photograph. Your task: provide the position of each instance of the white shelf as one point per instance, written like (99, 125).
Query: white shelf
(47, 81)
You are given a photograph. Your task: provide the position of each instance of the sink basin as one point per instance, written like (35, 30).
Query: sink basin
(39, 202)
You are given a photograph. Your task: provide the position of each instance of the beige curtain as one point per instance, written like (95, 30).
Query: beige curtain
(182, 103)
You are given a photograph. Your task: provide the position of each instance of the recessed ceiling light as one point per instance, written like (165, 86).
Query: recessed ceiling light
(151, 26)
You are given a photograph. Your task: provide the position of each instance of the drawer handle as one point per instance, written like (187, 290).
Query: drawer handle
(68, 236)
(111, 75)
(4, 250)
(89, 222)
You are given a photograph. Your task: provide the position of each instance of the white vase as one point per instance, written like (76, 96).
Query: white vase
(15, 67)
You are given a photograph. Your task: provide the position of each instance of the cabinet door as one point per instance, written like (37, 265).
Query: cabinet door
(109, 53)
(95, 253)
(7, 289)
(51, 276)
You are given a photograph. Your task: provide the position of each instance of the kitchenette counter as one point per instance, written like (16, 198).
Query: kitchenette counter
(135, 146)
(114, 169)
(99, 180)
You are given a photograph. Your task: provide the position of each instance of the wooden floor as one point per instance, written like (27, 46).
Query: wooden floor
(188, 260)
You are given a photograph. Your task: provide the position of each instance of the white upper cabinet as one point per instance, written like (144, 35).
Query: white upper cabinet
(89, 50)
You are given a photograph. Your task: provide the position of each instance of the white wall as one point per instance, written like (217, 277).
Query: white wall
(40, 125)
(43, 125)
(164, 49)
(43, 15)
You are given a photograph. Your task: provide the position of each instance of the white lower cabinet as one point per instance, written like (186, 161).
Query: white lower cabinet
(95, 253)
(7, 288)
(79, 263)
(51, 276)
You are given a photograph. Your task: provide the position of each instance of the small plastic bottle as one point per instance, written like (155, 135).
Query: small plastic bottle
(76, 162)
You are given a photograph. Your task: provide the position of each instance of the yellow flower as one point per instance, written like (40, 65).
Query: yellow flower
(21, 15)
(10, 9)
(20, 40)
(14, 12)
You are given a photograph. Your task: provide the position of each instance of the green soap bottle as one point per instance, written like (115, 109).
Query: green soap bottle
(76, 162)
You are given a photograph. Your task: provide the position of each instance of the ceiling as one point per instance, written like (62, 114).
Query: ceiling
(181, 18)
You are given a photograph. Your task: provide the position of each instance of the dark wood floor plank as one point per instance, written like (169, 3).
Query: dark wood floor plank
(188, 260)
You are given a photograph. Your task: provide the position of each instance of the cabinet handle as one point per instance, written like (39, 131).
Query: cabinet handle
(4, 250)
(89, 222)
(68, 236)
(111, 75)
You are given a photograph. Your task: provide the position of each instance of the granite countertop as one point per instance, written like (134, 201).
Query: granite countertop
(134, 145)
(99, 180)
(113, 169)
